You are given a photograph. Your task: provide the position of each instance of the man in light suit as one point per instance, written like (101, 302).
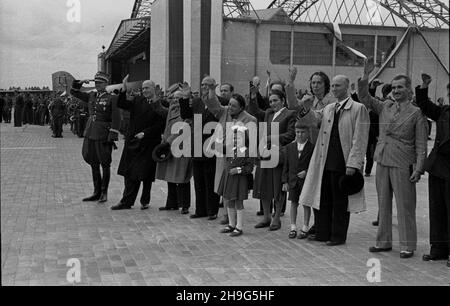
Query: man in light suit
(400, 155)
(340, 150)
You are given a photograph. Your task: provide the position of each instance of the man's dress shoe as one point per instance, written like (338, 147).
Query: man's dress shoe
(120, 206)
(335, 243)
(262, 224)
(167, 208)
(93, 198)
(377, 250)
(195, 216)
(274, 227)
(430, 257)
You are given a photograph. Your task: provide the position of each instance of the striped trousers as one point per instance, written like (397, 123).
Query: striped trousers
(395, 181)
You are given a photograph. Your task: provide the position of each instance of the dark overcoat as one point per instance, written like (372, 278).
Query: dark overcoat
(147, 117)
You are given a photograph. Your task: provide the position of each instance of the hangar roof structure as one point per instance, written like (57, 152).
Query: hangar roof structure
(421, 13)
(432, 14)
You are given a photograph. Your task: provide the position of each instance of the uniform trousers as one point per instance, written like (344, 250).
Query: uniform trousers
(389, 181)
(439, 196)
(58, 126)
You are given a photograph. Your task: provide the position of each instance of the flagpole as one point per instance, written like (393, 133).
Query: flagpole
(334, 55)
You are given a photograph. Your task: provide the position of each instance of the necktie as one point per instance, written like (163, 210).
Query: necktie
(337, 110)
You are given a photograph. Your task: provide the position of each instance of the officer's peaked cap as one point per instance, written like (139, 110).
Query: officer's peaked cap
(102, 77)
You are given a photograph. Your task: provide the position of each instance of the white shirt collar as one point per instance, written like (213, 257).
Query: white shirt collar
(278, 113)
(301, 146)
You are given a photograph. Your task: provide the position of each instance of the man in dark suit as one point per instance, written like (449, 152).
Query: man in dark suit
(18, 110)
(100, 134)
(204, 168)
(2, 106)
(147, 121)
(438, 166)
(296, 162)
(58, 110)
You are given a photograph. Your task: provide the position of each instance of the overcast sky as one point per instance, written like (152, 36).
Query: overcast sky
(37, 39)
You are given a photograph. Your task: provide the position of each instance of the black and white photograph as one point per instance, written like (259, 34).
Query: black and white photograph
(225, 150)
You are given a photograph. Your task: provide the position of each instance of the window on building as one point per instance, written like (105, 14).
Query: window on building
(313, 49)
(385, 46)
(363, 43)
(280, 48)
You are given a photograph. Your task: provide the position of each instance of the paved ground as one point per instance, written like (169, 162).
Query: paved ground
(44, 224)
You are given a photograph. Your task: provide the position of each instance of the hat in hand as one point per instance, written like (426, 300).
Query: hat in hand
(351, 184)
(134, 144)
(162, 152)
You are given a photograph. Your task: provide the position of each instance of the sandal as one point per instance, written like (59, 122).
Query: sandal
(302, 235)
(292, 234)
(237, 232)
(227, 230)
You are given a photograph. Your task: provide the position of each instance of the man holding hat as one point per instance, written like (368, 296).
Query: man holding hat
(100, 134)
(340, 150)
(147, 121)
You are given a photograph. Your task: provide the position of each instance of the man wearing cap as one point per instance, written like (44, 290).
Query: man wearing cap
(147, 121)
(340, 150)
(100, 134)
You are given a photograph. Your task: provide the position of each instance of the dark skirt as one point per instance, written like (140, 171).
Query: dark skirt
(97, 152)
(233, 187)
(268, 184)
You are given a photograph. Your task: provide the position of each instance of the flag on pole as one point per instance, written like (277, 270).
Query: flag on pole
(337, 31)
(356, 52)
(338, 34)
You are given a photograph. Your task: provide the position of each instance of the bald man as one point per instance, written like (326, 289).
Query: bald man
(147, 122)
(340, 150)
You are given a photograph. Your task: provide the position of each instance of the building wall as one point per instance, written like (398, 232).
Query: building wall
(192, 21)
(159, 52)
(241, 60)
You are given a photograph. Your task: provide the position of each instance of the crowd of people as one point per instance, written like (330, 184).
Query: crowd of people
(313, 148)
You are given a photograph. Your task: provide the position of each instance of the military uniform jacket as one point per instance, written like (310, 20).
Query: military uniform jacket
(104, 115)
(58, 109)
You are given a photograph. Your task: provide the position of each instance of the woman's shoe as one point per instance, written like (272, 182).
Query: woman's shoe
(302, 235)
(236, 233)
(406, 254)
(274, 227)
(292, 234)
(227, 230)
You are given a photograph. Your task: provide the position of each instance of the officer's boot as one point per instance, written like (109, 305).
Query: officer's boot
(97, 179)
(105, 184)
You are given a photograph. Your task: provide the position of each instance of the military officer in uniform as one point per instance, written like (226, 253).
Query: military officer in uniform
(100, 134)
(58, 110)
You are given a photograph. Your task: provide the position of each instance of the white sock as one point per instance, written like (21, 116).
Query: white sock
(240, 219)
(232, 217)
(293, 227)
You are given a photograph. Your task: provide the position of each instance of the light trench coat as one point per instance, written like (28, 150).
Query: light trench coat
(354, 127)
(175, 170)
